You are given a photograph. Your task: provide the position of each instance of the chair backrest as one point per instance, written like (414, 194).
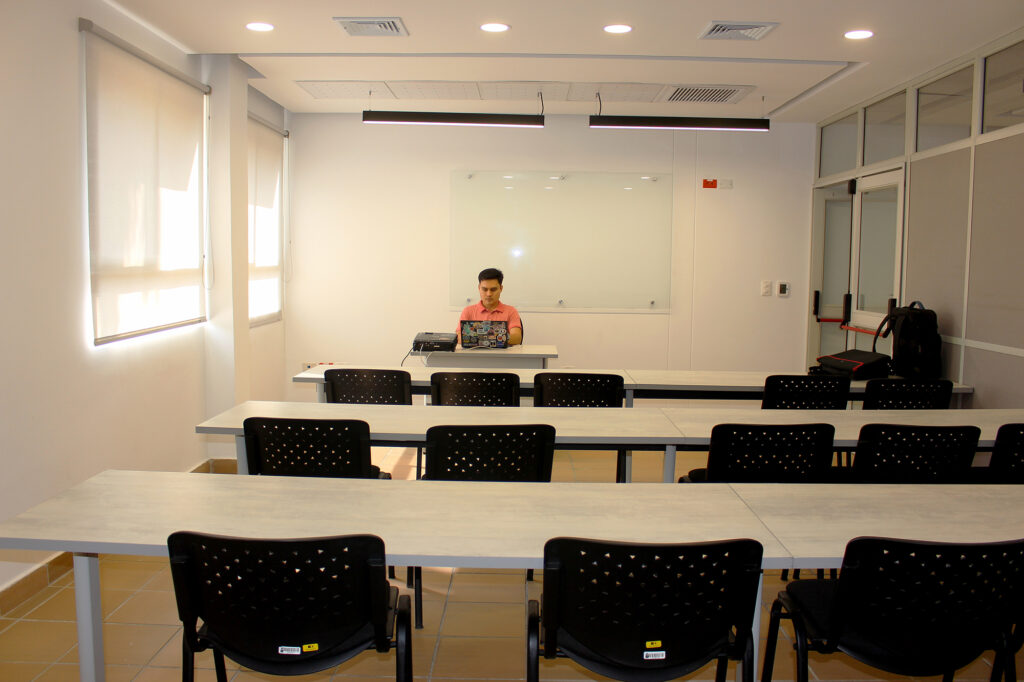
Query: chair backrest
(607, 604)
(577, 389)
(1007, 463)
(757, 453)
(805, 392)
(900, 453)
(930, 605)
(370, 386)
(490, 453)
(487, 389)
(308, 447)
(908, 394)
(256, 597)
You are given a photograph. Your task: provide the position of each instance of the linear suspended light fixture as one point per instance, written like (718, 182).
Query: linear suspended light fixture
(436, 118)
(680, 123)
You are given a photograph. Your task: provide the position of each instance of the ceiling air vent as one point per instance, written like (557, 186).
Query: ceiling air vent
(372, 26)
(737, 30)
(717, 94)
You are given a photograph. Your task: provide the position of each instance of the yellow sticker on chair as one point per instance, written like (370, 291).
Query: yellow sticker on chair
(653, 644)
(306, 648)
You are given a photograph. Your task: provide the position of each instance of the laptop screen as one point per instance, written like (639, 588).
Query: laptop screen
(484, 334)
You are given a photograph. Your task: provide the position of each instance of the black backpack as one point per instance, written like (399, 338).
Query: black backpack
(916, 344)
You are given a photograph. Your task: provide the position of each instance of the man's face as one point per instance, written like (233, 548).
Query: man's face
(490, 292)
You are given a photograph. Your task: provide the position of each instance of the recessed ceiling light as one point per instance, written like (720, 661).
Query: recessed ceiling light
(259, 26)
(617, 28)
(859, 34)
(494, 28)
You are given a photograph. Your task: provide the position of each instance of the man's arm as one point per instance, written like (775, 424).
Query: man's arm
(515, 336)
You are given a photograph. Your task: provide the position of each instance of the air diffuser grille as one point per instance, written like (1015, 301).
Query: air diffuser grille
(719, 94)
(372, 26)
(737, 30)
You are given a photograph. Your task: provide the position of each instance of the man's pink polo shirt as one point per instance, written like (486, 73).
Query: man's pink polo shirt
(477, 311)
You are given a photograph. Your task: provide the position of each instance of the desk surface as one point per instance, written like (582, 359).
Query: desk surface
(696, 423)
(724, 380)
(814, 522)
(576, 425)
(525, 350)
(455, 524)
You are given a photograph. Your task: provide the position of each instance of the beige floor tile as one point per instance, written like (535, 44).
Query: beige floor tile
(169, 656)
(250, 676)
(32, 602)
(31, 641)
(174, 675)
(64, 580)
(785, 662)
(138, 558)
(63, 672)
(130, 644)
(373, 664)
(20, 672)
(128, 575)
(980, 669)
(839, 666)
(152, 608)
(6, 623)
(62, 605)
(484, 620)
(480, 657)
(484, 587)
(160, 582)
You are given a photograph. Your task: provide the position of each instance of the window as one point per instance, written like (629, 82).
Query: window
(266, 180)
(146, 154)
(1004, 96)
(838, 146)
(944, 109)
(884, 129)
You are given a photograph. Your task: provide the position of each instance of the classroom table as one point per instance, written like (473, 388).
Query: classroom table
(420, 376)
(524, 356)
(406, 425)
(638, 383)
(455, 525)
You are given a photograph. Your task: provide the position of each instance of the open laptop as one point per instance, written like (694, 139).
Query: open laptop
(484, 334)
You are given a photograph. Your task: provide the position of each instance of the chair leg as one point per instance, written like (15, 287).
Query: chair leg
(533, 641)
(188, 663)
(748, 661)
(410, 574)
(801, 652)
(418, 592)
(403, 641)
(722, 668)
(419, 463)
(529, 575)
(620, 466)
(785, 574)
(218, 663)
(947, 676)
(771, 641)
(391, 572)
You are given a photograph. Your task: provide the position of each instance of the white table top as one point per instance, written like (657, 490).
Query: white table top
(454, 523)
(525, 350)
(815, 522)
(723, 380)
(696, 423)
(420, 375)
(576, 425)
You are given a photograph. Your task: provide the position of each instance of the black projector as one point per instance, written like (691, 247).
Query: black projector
(429, 341)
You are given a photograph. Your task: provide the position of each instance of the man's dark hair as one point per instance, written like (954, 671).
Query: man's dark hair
(491, 273)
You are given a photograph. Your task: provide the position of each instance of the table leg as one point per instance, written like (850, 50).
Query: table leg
(755, 629)
(240, 458)
(89, 617)
(668, 467)
(629, 397)
(321, 393)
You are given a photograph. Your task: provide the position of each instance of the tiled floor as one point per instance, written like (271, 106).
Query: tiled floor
(473, 626)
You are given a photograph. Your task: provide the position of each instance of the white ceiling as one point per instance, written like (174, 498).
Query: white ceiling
(447, 63)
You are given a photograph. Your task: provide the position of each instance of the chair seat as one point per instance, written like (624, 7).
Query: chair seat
(814, 600)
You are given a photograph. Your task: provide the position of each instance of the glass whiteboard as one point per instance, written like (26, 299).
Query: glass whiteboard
(563, 239)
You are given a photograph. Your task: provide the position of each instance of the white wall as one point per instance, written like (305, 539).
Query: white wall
(370, 241)
(69, 409)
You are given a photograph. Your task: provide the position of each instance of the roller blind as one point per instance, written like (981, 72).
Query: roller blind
(266, 181)
(146, 160)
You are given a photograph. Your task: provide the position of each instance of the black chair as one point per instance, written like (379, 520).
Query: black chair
(805, 392)
(333, 448)
(368, 386)
(900, 453)
(908, 394)
(286, 607)
(579, 389)
(646, 612)
(1007, 463)
(518, 453)
(908, 607)
(757, 453)
(484, 389)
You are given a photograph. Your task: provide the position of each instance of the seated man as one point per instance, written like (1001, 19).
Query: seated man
(491, 308)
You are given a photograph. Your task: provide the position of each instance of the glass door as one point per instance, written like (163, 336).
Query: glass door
(830, 270)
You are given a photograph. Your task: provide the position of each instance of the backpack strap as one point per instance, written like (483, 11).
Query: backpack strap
(879, 332)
